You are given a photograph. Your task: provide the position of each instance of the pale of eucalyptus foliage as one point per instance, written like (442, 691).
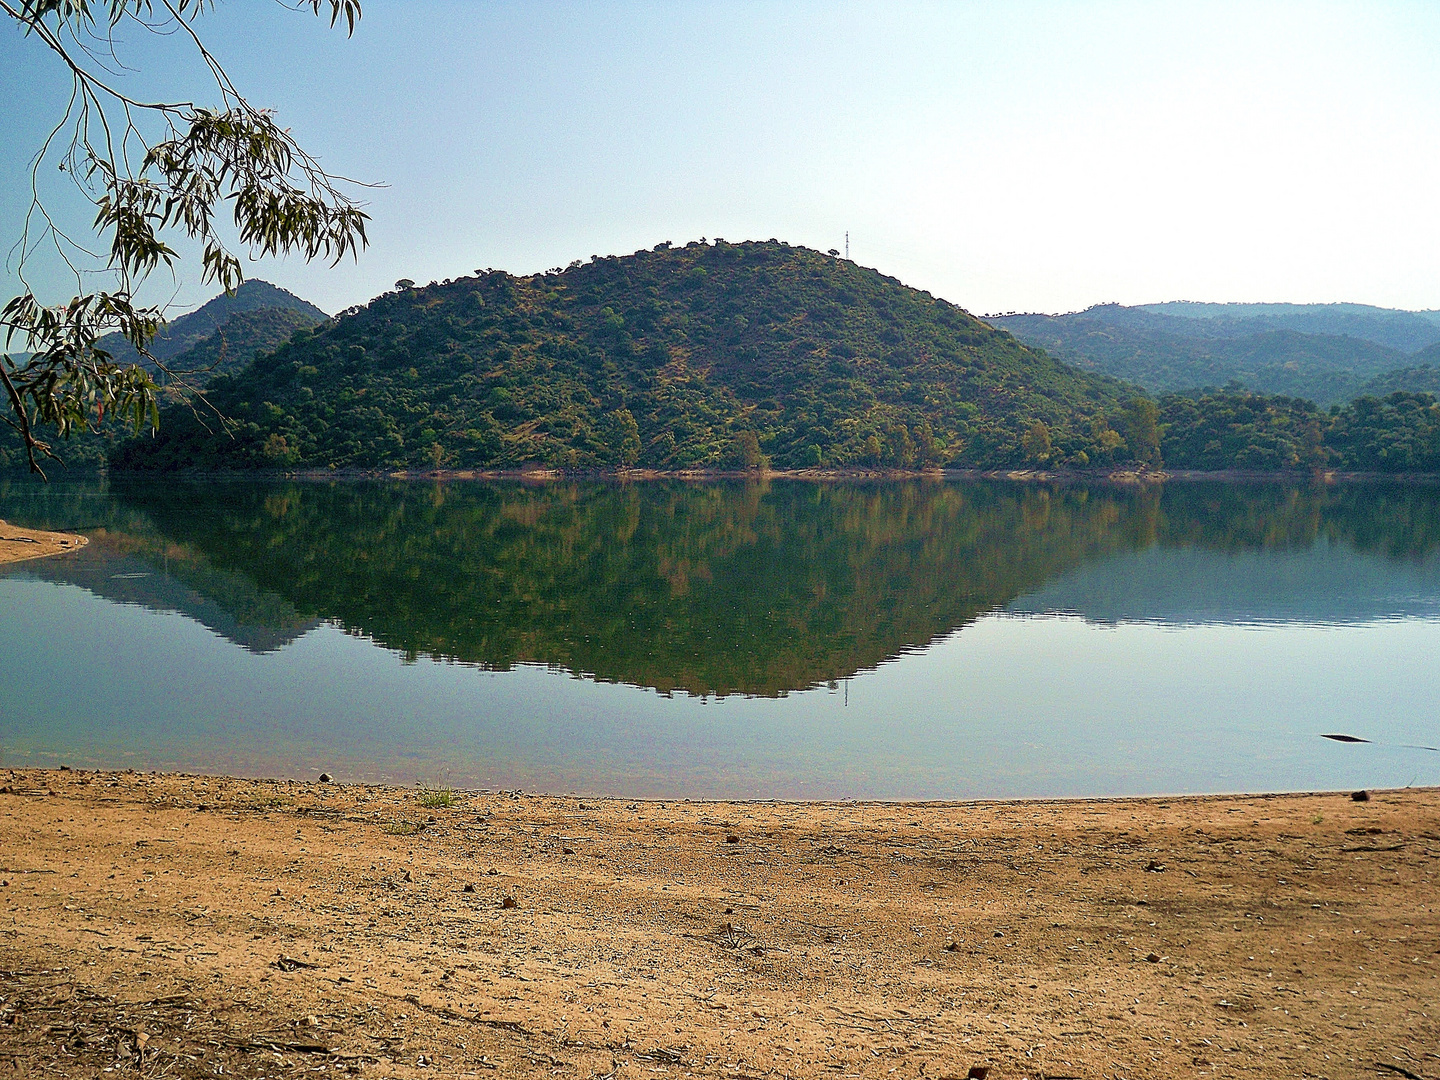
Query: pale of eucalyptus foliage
(150, 168)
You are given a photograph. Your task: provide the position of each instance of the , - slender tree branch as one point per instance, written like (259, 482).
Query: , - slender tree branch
(22, 424)
(151, 168)
(52, 38)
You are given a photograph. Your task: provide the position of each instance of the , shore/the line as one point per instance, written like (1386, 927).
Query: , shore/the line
(181, 926)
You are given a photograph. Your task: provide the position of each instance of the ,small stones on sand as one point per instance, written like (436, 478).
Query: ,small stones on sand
(289, 963)
(128, 911)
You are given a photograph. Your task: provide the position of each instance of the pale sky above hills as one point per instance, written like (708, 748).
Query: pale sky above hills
(1006, 156)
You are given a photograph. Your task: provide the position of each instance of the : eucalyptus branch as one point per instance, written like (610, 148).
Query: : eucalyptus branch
(146, 188)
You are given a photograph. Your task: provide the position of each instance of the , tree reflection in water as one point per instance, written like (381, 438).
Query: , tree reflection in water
(692, 638)
(708, 588)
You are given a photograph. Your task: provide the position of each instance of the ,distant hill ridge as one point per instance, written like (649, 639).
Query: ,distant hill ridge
(185, 332)
(243, 336)
(1326, 353)
(1407, 331)
(707, 355)
(219, 337)
(1421, 375)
